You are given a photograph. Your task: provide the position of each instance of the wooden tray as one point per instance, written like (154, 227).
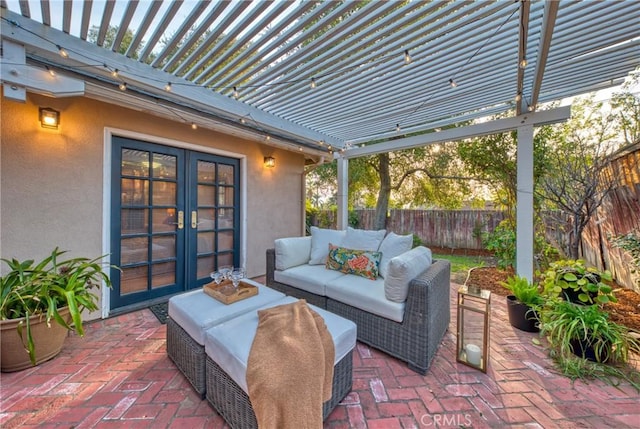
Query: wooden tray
(225, 293)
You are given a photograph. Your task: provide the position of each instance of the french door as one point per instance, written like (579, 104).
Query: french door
(175, 219)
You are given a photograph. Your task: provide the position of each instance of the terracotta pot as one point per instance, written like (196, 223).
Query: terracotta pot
(521, 316)
(48, 341)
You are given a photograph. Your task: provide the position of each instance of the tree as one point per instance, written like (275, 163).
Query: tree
(574, 183)
(626, 110)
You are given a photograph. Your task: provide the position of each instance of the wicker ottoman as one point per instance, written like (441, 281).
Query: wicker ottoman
(227, 349)
(190, 314)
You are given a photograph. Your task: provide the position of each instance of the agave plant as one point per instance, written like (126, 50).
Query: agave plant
(45, 287)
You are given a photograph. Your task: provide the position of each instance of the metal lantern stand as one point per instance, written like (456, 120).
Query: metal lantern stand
(474, 307)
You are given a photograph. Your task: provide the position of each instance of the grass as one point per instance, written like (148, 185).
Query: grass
(461, 264)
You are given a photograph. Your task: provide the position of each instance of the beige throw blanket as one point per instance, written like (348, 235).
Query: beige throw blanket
(290, 367)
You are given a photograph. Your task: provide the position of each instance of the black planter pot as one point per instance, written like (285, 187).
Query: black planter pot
(521, 316)
(585, 350)
(572, 296)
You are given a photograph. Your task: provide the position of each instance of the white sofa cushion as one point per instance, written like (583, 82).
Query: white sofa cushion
(311, 278)
(292, 251)
(320, 239)
(360, 239)
(404, 268)
(393, 245)
(366, 295)
(229, 344)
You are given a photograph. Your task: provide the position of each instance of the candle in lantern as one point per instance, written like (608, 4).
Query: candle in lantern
(474, 354)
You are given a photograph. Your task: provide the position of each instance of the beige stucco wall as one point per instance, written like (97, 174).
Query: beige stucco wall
(51, 187)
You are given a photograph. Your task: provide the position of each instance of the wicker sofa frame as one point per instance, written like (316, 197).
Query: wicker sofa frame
(426, 319)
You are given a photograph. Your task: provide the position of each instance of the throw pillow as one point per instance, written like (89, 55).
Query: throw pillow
(320, 239)
(360, 239)
(404, 268)
(393, 245)
(362, 263)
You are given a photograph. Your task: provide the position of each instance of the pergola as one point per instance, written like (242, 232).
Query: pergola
(341, 79)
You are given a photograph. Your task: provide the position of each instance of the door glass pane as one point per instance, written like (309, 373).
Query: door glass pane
(135, 163)
(206, 219)
(164, 166)
(225, 196)
(206, 265)
(134, 221)
(225, 259)
(163, 274)
(206, 195)
(134, 192)
(133, 250)
(206, 242)
(133, 279)
(225, 241)
(163, 247)
(164, 193)
(225, 218)
(206, 172)
(225, 174)
(164, 220)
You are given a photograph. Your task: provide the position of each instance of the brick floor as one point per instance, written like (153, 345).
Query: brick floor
(119, 376)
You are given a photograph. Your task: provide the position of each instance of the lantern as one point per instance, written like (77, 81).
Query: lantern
(474, 306)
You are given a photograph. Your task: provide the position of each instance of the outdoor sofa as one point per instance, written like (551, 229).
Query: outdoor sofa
(404, 311)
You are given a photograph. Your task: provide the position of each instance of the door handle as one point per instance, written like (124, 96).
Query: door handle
(194, 219)
(180, 219)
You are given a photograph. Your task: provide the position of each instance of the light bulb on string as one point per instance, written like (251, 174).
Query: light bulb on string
(167, 87)
(407, 57)
(236, 94)
(63, 53)
(243, 121)
(313, 83)
(114, 73)
(267, 137)
(194, 126)
(452, 83)
(523, 62)
(397, 128)
(518, 97)
(51, 71)
(123, 86)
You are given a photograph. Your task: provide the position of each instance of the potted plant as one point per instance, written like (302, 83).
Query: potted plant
(522, 303)
(575, 282)
(585, 331)
(32, 295)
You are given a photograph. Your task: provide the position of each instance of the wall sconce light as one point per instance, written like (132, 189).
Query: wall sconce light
(269, 162)
(49, 118)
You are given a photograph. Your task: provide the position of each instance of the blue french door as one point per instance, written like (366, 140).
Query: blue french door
(175, 219)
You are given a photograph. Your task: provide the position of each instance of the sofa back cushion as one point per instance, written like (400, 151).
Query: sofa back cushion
(360, 239)
(404, 268)
(320, 239)
(292, 251)
(393, 245)
(363, 263)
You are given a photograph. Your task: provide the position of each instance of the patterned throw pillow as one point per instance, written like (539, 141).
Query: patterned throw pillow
(362, 263)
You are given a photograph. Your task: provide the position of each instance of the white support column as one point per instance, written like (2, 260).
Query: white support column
(343, 193)
(524, 203)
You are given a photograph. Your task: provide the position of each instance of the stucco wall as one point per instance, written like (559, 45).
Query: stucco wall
(52, 180)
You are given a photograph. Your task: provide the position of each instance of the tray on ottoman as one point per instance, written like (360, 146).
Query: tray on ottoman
(226, 293)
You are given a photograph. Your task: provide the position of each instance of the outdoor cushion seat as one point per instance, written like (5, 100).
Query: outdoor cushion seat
(190, 314)
(311, 278)
(227, 348)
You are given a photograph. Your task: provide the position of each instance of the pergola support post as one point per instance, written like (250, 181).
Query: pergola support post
(524, 203)
(343, 193)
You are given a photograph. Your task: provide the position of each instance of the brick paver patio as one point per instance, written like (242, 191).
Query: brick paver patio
(119, 376)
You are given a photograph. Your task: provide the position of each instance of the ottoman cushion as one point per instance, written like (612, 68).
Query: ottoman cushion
(196, 311)
(229, 343)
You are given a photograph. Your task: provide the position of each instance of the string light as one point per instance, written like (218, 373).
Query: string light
(397, 128)
(114, 73)
(518, 97)
(407, 57)
(243, 121)
(51, 71)
(267, 137)
(313, 83)
(194, 126)
(452, 83)
(63, 53)
(236, 94)
(167, 87)
(523, 62)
